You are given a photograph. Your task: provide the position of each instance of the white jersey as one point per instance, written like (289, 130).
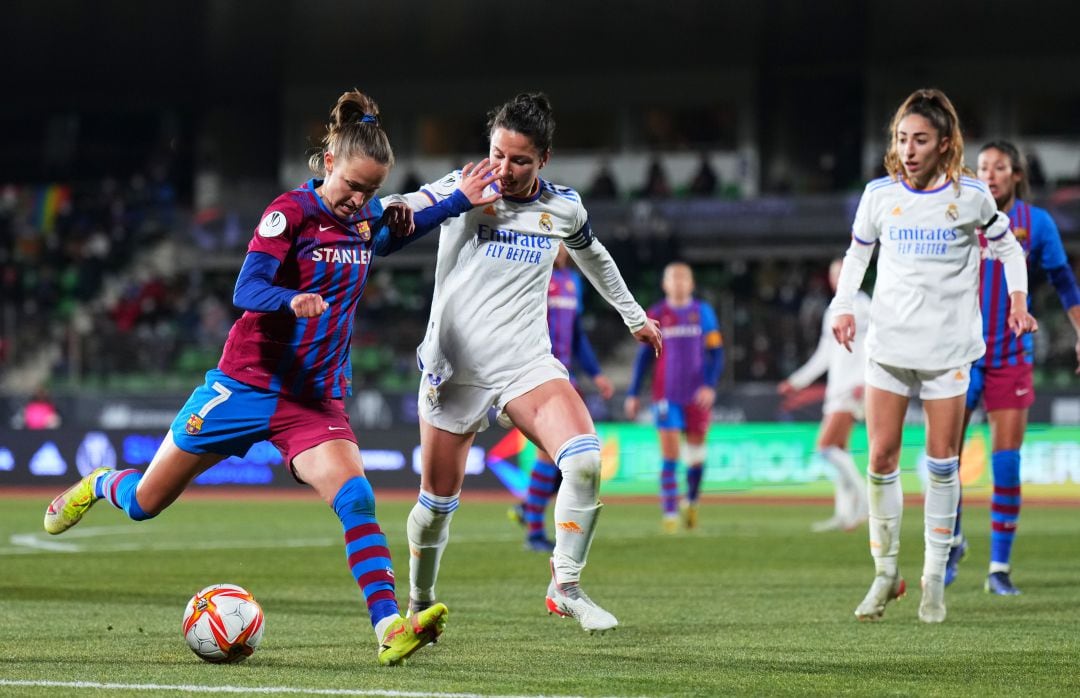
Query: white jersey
(925, 312)
(489, 310)
(846, 370)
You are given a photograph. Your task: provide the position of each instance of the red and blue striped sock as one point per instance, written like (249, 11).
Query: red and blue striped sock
(543, 481)
(118, 488)
(693, 481)
(669, 488)
(1004, 507)
(365, 547)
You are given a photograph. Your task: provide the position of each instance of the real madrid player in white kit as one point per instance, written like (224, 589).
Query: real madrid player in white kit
(925, 326)
(843, 406)
(487, 345)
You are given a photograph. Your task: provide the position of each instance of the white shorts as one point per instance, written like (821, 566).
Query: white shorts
(926, 385)
(463, 409)
(845, 401)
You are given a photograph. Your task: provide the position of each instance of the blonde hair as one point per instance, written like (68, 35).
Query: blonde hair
(935, 107)
(353, 131)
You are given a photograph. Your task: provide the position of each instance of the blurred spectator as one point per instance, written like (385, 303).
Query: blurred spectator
(603, 186)
(656, 182)
(38, 413)
(705, 182)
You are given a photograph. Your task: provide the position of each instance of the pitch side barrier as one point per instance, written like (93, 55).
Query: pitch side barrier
(753, 458)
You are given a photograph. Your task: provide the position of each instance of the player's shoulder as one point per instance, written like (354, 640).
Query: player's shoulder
(972, 184)
(288, 209)
(558, 197)
(1041, 219)
(881, 184)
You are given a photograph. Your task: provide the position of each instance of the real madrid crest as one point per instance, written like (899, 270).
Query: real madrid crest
(952, 213)
(545, 222)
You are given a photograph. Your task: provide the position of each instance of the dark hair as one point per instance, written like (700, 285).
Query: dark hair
(936, 108)
(530, 115)
(1019, 165)
(354, 131)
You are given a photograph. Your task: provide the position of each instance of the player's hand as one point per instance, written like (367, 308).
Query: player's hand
(785, 388)
(475, 179)
(308, 305)
(1021, 321)
(705, 397)
(650, 334)
(399, 219)
(843, 328)
(604, 386)
(631, 406)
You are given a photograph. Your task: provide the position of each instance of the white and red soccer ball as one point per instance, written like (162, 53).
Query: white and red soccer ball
(223, 623)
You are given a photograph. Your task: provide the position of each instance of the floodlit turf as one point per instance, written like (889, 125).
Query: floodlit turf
(752, 603)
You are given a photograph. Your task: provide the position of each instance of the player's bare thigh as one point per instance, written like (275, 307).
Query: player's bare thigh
(550, 414)
(443, 455)
(836, 430)
(1007, 429)
(944, 426)
(885, 412)
(329, 465)
(669, 443)
(169, 474)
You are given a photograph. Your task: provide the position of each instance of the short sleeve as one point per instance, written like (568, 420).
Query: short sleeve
(277, 229)
(865, 229)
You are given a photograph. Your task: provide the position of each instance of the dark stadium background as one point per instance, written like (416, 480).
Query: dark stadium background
(140, 141)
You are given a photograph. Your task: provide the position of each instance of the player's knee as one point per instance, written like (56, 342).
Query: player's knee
(355, 496)
(695, 454)
(579, 458)
(942, 470)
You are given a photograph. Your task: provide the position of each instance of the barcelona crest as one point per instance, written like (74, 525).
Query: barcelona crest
(364, 229)
(194, 424)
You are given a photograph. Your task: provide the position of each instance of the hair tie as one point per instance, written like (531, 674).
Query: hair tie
(369, 119)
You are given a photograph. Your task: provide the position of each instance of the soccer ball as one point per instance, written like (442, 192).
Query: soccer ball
(223, 623)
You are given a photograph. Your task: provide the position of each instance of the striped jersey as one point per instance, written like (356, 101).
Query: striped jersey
(564, 304)
(925, 311)
(1037, 233)
(688, 332)
(306, 357)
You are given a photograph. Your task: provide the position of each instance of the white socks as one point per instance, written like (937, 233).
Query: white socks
(429, 531)
(886, 508)
(942, 498)
(576, 506)
(850, 494)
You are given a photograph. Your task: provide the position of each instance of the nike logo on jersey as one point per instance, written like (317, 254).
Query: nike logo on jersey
(1022, 392)
(336, 428)
(324, 228)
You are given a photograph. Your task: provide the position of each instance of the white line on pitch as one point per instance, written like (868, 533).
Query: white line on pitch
(249, 689)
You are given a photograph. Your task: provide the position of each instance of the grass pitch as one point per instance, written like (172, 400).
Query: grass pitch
(752, 603)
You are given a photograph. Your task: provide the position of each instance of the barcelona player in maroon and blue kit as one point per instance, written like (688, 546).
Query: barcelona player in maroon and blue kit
(683, 387)
(570, 345)
(1002, 378)
(285, 367)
